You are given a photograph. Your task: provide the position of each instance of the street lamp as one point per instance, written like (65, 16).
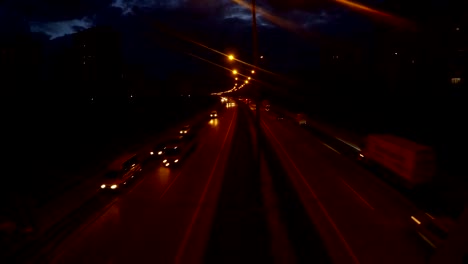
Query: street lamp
(249, 78)
(253, 71)
(236, 78)
(234, 71)
(231, 57)
(246, 81)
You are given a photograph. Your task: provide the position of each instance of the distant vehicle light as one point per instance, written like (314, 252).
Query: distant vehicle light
(151, 153)
(160, 153)
(181, 132)
(103, 186)
(114, 186)
(167, 164)
(164, 161)
(360, 155)
(175, 161)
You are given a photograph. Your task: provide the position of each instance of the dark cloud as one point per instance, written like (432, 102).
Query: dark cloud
(160, 35)
(61, 28)
(308, 5)
(56, 10)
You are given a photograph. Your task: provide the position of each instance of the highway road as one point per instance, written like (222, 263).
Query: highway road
(280, 196)
(360, 218)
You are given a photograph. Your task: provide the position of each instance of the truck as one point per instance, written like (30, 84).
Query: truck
(414, 164)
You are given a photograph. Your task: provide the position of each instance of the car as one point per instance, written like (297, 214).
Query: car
(177, 152)
(120, 172)
(213, 114)
(432, 230)
(158, 150)
(185, 130)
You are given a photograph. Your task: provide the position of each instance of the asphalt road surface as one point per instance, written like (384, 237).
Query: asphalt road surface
(279, 196)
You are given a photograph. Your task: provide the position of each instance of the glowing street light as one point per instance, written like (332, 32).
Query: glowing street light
(246, 81)
(253, 71)
(236, 78)
(231, 57)
(234, 72)
(249, 78)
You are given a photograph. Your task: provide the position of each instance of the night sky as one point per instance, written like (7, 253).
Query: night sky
(290, 34)
(222, 25)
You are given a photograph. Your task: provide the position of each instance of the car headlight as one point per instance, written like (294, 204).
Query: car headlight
(114, 186)
(175, 161)
(211, 115)
(167, 164)
(181, 132)
(160, 153)
(151, 153)
(215, 115)
(185, 132)
(164, 161)
(103, 186)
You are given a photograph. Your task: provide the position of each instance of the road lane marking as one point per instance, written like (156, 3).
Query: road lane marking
(349, 144)
(188, 232)
(170, 185)
(280, 243)
(357, 194)
(331, 148)
(321, 206)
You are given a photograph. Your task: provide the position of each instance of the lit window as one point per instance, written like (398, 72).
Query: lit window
(456, 80)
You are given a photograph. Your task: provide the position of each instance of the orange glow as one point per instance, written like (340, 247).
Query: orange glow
(213, 122)
(163, 175)
(291, 26)
(415, 220)
(231, 57)
(370, 11)
(234, 72)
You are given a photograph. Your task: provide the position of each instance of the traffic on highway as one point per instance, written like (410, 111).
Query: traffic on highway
(225, 192)
(212, 132)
